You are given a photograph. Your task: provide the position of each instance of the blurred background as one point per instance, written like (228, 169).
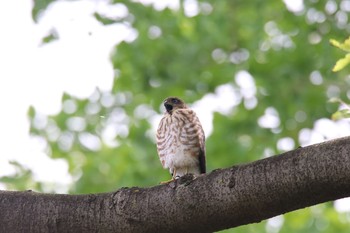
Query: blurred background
(82, 84)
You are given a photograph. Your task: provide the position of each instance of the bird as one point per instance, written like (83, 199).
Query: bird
(180, 140)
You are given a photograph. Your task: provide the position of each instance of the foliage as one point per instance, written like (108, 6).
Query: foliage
(342, 113)
(287, 54)
(341, 63)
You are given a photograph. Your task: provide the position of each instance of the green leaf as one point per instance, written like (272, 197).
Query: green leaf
(341, 63)
(343, 46)
(341, 114)
(31, 112)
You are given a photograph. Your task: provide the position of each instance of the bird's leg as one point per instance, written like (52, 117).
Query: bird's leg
(172, 178)
(166, 182)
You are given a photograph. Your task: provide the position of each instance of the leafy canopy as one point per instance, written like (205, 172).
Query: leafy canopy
(287, 61)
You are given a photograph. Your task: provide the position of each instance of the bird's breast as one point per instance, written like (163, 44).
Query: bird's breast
(178, 140)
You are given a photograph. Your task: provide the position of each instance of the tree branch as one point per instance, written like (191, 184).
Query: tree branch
(223, 199)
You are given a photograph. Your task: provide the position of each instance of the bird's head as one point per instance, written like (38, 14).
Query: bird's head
(173, 103)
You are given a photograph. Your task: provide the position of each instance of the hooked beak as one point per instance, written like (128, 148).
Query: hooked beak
(168, 107)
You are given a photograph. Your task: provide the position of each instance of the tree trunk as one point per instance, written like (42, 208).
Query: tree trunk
(223, 199)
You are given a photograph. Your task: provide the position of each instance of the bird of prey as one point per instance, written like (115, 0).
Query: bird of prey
(180, 140)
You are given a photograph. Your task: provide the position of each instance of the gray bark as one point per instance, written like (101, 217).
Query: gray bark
(225, 198)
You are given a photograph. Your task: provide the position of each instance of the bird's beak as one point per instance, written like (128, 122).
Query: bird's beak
(168, 107)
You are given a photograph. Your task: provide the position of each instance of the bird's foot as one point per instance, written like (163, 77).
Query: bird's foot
(167, 181)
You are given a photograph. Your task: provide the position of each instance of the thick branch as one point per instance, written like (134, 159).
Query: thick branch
(222, 199)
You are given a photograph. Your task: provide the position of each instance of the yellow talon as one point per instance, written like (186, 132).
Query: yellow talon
(167, 181)
(173, 178)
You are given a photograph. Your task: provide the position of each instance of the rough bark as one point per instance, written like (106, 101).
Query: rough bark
(224, 198)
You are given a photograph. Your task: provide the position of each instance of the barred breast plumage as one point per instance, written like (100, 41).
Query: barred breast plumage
(180, 139)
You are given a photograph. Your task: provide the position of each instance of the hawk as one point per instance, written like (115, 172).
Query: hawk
(180, 140)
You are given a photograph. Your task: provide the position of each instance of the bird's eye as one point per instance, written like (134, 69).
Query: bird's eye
(175, 101)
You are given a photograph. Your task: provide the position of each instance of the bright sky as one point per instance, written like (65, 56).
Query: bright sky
(36, 74)
(77, 63)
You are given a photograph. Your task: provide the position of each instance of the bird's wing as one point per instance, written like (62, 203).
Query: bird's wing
(201, 156)
(161, 141)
